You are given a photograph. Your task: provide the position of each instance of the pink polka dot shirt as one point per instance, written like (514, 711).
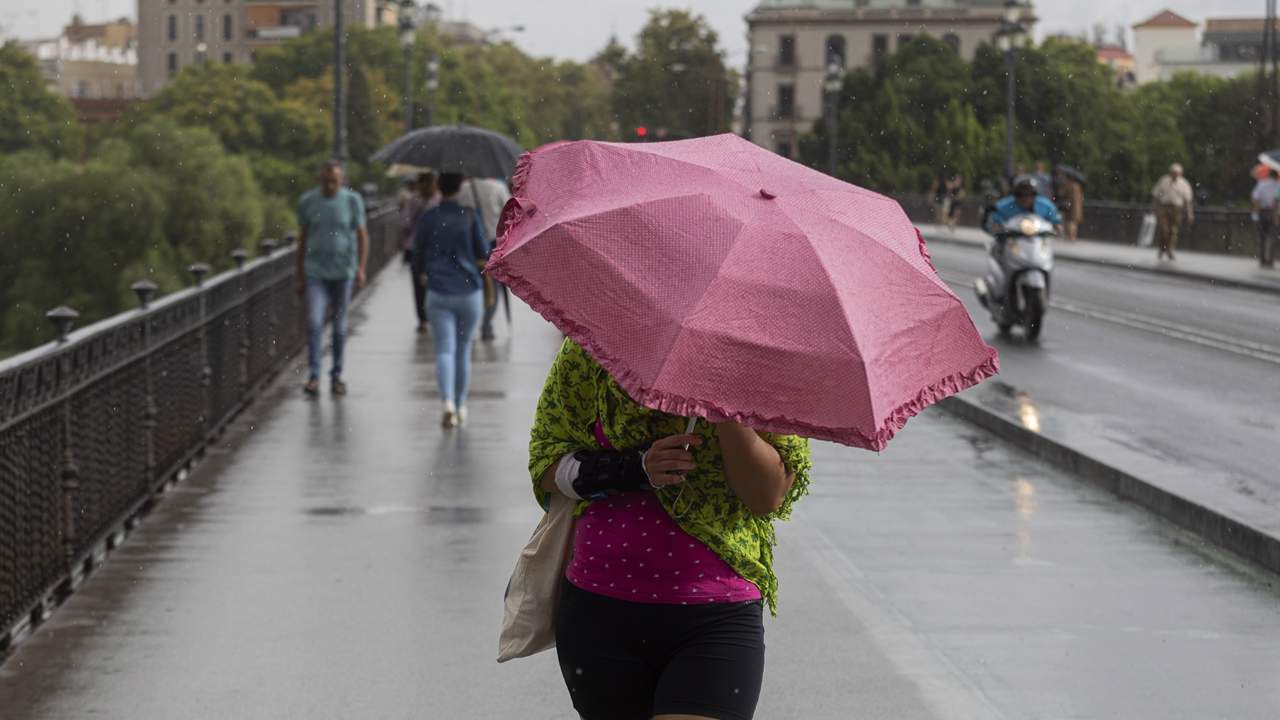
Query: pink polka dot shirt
(627, 547)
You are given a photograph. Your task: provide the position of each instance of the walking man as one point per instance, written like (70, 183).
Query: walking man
(1264, 214)
(1172, 201)
(333, 249)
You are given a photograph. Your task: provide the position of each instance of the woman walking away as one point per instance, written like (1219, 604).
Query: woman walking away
(660, 612)
(449, 249)
(424, 198)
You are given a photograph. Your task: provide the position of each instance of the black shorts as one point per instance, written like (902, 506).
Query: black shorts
(630, 661)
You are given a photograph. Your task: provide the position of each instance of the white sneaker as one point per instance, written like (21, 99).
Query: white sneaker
(450, 418)
(462, 415)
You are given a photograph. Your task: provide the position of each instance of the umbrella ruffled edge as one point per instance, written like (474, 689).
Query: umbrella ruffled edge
(688, 407)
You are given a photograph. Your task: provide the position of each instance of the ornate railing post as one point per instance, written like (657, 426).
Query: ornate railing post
(150, 412)
(198, 271)
(62, 318)
(266, 246)
(239, 255)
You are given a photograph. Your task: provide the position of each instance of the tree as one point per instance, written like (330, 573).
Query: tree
(30, 115)
(676, 79)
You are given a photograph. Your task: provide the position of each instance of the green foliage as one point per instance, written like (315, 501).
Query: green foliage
(925, 110)
(148, 204)
(30, 115)
(676, 79)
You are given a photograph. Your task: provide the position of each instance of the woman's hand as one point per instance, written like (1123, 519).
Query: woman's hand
(666, 461)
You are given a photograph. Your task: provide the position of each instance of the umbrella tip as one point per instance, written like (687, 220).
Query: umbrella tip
(766, 194)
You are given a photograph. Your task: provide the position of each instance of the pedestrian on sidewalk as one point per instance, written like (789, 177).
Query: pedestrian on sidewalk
(661, 607)
(955, 201)
(423, 198)
(1172, 201)
(1043, 181)
(487, 196)
(450, 247)
(1264, 195)
(333, 252)
(1070, 195)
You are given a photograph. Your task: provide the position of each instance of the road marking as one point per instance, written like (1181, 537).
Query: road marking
(1197, 336)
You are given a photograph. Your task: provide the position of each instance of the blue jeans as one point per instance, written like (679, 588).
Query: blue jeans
(453, 329)
(324, 296)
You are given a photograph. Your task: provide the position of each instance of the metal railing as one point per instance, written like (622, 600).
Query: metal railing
(93, 425)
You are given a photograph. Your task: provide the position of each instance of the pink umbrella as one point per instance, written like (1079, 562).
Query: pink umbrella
(712, 278)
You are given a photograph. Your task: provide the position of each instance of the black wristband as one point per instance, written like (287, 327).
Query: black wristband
(607, 471)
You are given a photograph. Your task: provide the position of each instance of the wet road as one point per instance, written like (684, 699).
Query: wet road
(346, 559)
(1171, 379)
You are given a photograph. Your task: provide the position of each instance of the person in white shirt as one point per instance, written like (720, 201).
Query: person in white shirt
(1172, 200)
(487, 196)
(1264, 197)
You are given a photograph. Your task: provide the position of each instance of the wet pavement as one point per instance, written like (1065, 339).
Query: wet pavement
(345, 558)
(1171, 380)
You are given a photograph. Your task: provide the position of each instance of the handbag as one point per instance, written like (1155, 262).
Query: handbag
(1147, 232)
(533, 592)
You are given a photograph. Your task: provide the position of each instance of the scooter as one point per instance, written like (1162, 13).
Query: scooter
(1016, 288)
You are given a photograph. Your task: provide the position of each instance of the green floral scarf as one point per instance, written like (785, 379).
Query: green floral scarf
(578, 391)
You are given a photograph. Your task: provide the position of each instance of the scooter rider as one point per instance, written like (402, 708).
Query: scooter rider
(1024, 199)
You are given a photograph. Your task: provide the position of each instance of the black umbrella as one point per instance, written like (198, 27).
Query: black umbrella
(1073, 173)
(462, 149)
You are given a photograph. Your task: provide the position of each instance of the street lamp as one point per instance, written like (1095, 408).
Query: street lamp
(832, 85)
(408, 34)
(1013, 28)
(432, 84)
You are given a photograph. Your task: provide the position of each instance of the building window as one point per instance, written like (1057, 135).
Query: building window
(200, 58)
(786, 101)
(784, 148)
(228, 58)
(787, 50)
(879, 48)
(953, 40)
(173, 64)
(835, 50)
(226, 27)
(199, 27)
(905, 39)
(172, 30)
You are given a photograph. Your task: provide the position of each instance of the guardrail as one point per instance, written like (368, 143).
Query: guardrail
(1221, 230)
(94, 425)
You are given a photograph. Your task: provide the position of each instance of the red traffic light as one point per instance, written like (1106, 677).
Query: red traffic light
(642, 131)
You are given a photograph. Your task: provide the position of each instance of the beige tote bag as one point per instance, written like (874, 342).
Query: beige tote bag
(528, 621)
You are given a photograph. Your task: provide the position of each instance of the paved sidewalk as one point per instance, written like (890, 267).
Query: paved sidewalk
(344, 559)
(1231, 270)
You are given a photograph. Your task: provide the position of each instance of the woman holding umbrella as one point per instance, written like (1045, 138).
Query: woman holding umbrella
(719, 303)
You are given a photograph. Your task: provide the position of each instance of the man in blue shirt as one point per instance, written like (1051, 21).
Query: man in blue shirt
(1024, 200)
(333, 249)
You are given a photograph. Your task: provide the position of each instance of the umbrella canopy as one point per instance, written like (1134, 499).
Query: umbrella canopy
(1074, 174)
(715, 279)
(463, 149)
(1270, 158)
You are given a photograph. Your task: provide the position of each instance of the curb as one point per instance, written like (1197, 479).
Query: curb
(1250, 543)
(1184, 274)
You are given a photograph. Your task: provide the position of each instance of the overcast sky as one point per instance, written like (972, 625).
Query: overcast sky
(577, 28)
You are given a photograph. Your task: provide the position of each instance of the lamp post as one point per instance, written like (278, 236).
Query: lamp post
(408, 34)
(339, 94)
(1013, 29)
(831, 85)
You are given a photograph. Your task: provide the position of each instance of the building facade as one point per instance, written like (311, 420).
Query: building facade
(1169, 44)
(173, 34)
(791, 43)
(90, 61)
